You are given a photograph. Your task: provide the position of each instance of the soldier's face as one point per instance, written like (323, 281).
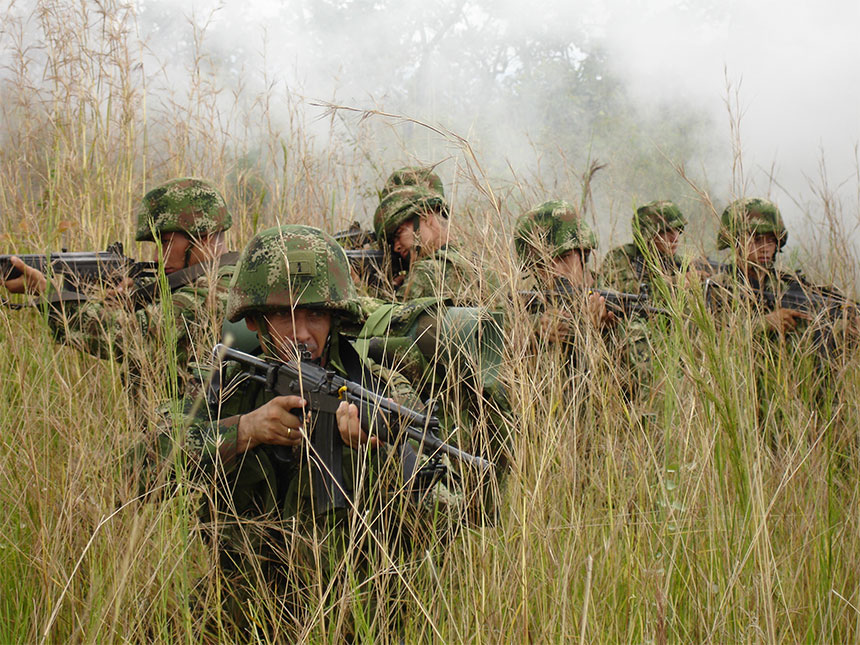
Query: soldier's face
(760, 249)
(410, 244)
(309, 327)
(666, 242)
(570, 266)
(404, 239)
(174, 251)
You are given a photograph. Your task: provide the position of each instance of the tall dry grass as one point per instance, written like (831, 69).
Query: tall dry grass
(689, 513)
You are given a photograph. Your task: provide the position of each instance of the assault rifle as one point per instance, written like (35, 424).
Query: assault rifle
(82, 269)
(366, 258)
(324, 390)
(355, 237)
(625, 304)
(816, 301)
(369, 263)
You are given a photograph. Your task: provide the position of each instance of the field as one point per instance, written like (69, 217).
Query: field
(719, 505)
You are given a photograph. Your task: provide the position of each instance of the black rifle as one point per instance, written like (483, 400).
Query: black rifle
(708, 266)
(370, 264)
(799, 295)
(824, 305)
(815, 301)
(324, 390)
(355, 237)
(364, 255)
(625, 304)
(83, 269)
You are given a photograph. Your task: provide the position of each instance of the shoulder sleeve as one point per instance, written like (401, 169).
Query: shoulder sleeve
(193, 440)
(102, 328)
(420, 282)
(396, 385)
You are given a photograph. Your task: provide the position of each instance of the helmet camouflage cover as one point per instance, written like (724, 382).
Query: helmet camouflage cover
(413, 176)
(292, 266)
(184, 205)
(750, 216)
(402, 205)
(551, 230)
(656, 217)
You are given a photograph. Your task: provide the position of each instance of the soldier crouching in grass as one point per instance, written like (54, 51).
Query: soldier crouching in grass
(187, 218)
(297, 562)
(795, 329)
(553, 244)
(412, 223)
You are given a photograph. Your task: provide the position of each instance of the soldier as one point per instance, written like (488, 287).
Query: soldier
(187, 218)
(553, 244)
(753, 228)
(413, 223)
(657, 230)
(293, 288)
(792, 349)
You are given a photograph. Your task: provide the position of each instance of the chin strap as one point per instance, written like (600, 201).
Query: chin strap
(416, 238)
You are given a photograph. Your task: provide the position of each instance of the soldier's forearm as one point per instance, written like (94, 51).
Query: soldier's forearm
(230, 443)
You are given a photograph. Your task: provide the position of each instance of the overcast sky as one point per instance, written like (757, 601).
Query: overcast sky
(794, 69)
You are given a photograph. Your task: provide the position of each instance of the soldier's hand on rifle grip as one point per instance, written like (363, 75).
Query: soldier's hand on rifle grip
(30, 281)
(275, 423)
(349, 426)
(124, 288)
(784, 320)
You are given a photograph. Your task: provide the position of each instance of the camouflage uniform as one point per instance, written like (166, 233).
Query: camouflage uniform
(550, 231)
(781, 363)
(189, 321)
(446, 274)
(451, 355)
(627, 267)
(266, 515)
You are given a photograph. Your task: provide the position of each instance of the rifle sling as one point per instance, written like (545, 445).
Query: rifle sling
(146, 294)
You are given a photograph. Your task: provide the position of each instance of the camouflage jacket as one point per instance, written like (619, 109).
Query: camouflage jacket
(449, 275)
(625, 269)
(452, 355)
(143, 338)
(731, 291)
(262, 488)
(623, 346)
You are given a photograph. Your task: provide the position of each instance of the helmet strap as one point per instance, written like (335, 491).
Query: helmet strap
(416, 237)
(188, 250)
(266, 340)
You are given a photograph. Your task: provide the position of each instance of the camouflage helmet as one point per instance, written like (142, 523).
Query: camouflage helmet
(292, 266)
(750, 216)
(413, 176)
(656, 217)
(552, 229)
(402, 205)
(184, 205)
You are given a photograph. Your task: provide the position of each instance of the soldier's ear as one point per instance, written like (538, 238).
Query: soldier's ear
(251, 324)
